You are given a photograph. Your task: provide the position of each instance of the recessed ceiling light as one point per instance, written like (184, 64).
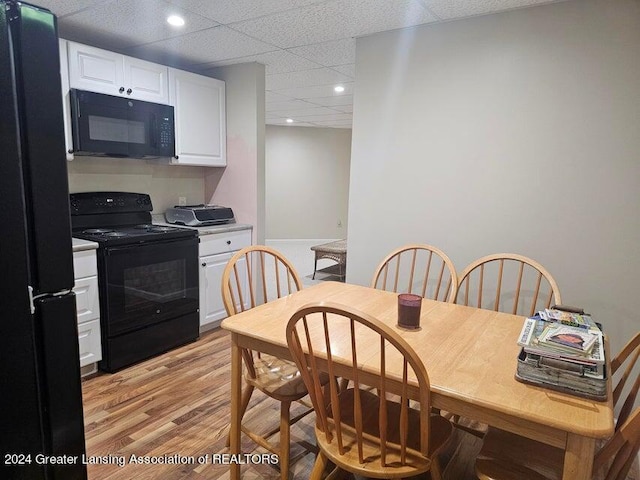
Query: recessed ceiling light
(289, 120)
(338, 89)
(175, 20)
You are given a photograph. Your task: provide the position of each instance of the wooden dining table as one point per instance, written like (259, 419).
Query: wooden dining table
(470, 355)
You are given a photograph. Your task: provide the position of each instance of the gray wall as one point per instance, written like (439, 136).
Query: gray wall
(517, 132)
(307, 182)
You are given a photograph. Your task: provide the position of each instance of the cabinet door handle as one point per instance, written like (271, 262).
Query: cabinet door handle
(204, 264)
(228, 242)
(121, 90)
(129, 91)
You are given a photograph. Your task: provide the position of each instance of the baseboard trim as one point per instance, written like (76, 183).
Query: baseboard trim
(301, 240)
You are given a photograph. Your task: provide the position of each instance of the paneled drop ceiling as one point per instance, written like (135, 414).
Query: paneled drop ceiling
(308, 46)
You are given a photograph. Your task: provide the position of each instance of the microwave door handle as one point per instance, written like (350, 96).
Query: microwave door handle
(152, 133)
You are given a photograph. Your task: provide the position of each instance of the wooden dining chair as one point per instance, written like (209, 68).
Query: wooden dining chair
(628, 358)
(506, 456)
(418, 268)
(369, 429)
(507, 282)
(253, 276)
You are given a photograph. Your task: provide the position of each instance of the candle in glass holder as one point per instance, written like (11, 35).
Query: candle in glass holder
(409, 310)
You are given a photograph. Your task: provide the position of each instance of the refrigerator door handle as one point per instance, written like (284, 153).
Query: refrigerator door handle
(42, 295)
(32, 307)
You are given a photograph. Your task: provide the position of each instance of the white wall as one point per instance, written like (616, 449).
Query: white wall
(517, 132)
(240, 185)
(307, 182)
(165, 183)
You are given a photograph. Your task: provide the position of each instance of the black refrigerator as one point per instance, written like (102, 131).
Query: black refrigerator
(41, 419)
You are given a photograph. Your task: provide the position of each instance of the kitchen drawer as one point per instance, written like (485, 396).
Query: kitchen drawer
(89, 342)
(84, 263)
(215, 243)
(87, 299)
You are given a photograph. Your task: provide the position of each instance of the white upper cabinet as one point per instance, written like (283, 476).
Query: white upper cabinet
(101, 71)
(199, 104)
(147, 81)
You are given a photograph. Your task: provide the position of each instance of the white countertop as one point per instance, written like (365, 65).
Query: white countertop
(233, 227)
(79, 245)
(207, 230)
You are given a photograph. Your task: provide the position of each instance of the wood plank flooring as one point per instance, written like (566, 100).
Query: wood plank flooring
(175, 409)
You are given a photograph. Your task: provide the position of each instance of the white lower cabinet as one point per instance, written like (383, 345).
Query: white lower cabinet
(87, 306)
(215, 252)
(89, 342)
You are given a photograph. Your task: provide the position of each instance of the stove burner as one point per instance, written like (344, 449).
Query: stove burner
(97, 231)
(161, 229)
(144, 226)
(115, 234)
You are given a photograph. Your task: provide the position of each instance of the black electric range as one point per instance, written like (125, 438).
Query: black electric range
(147, 276)
(127, 234)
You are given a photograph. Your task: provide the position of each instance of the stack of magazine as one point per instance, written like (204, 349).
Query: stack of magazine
(563, 351)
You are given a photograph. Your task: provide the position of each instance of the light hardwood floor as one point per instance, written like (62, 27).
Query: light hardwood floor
(177, 404)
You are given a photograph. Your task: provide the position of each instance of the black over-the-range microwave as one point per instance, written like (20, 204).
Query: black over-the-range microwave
(109, 126)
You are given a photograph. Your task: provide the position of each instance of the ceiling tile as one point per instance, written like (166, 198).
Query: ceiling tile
(304, 112)
(336, 52)
(275, 97)
(344, 108)
(335, 20)
(317, 91)
(226, 11)
(133, 22)
(212, 45)
(335, 100)
(288, 105)
(306, 78)
(279, 61)
(325, 118)
(448, 9)
(349, 70)
(60, 8)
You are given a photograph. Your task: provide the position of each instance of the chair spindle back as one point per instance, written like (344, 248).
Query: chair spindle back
(372, 349)
(529, 284)
(628, 355)
(256, 275)
(420, 269)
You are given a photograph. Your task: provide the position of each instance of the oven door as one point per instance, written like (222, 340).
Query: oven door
(148, 283)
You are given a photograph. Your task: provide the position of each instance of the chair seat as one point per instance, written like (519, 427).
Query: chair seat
(416, 463)
(508, 456)
(279, 378)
